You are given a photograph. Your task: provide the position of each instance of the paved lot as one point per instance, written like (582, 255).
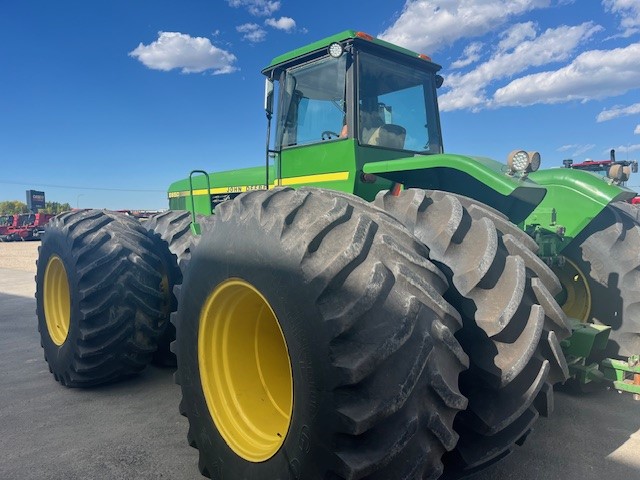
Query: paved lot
(132, 430)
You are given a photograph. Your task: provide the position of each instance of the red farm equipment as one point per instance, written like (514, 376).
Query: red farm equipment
(614, 171)
(26, 226)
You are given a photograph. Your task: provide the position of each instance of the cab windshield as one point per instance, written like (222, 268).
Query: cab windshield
(396, 106)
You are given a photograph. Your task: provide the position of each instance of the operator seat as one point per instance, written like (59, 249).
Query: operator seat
(388, 135)
(375, 132)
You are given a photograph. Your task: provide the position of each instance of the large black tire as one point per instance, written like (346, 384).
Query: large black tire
(512, 325)
(98, 297)
(173, 240)
(605, 258)
(369, 339)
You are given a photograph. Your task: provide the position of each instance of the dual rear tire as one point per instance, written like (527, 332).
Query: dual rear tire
(173, 242)
(302, 307)
(512, 324)
(98, 297)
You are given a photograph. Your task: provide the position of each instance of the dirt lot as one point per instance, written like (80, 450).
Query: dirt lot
(19, 255)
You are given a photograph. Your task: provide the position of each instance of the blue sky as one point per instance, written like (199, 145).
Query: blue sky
(104, 103)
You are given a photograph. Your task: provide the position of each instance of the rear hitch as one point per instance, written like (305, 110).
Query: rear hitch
(587, 339)
(623, 375)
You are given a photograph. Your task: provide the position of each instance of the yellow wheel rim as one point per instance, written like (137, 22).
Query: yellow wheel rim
(575, 298)
(245, 370)
(57, 300)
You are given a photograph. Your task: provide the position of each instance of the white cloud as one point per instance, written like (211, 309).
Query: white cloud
(582, 149)
(617, 111)
(252, 32)
(577, 150)
(179, 50)
(428, 25)
(283, 23)
(258, 8)
(470, 55)
(637, 130)
(627, 148)
(593, 74)
(515, 35)
(629, 12)
(468, 90)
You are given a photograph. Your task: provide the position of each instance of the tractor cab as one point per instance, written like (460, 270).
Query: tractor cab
(359, 90)
(356, 101)
(358, 114)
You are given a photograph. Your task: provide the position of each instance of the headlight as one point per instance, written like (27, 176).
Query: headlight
(336, 50)
(521, 161)
(615, 172)
(619, 173)
(518, 161)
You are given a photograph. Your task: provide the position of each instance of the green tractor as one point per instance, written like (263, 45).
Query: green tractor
(363, 305)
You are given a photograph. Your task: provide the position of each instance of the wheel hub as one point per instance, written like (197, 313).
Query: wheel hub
(57, 300)
(575, 298)
(245, 370)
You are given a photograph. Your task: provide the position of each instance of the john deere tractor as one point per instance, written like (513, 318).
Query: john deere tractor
(363, 305)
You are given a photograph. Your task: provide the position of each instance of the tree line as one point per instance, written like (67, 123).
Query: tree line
(11, 207)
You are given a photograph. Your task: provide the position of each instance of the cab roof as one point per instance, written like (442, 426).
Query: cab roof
(339, 37)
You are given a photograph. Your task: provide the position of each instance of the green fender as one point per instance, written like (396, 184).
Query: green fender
(573, 200)
(480, 178)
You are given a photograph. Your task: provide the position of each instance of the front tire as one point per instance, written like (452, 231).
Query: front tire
(97, 296)
(343, 317)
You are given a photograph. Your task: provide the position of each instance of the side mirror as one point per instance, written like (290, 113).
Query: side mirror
(439, 81)
(268, 95)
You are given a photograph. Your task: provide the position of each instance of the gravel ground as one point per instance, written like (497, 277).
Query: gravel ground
(19, 255)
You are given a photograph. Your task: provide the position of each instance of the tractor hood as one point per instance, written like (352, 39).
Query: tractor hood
(480, 178)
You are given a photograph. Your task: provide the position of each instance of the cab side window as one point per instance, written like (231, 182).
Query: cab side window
(314, 102)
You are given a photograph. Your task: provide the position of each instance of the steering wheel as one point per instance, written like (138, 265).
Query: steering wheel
(328, 135)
